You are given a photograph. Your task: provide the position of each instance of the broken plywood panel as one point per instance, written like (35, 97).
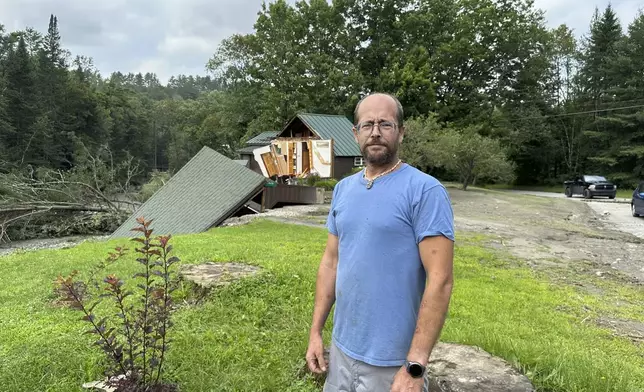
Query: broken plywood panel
(322, 157)
(205, 192)
(281, 159)
(265, 160)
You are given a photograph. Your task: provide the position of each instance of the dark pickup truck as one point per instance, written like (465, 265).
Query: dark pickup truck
(590, 186)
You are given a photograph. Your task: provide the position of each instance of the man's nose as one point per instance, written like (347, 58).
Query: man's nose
(375, 131)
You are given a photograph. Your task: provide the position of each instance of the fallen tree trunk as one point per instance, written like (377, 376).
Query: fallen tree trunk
(12, 214)
(52, 207)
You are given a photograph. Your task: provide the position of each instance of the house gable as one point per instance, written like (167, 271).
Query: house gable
(324, 126)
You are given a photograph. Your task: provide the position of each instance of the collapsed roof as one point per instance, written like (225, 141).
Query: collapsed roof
(206, 191)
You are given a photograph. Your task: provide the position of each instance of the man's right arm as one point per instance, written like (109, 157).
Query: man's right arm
(325, 285)
(324, 300)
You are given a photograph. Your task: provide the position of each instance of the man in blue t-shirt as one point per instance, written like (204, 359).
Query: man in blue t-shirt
(391, 231)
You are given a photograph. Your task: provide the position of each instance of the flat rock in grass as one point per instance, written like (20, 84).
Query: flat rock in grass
(461, 368)
(216, 274)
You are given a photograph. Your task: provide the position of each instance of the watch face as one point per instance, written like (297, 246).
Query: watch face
(415, 369)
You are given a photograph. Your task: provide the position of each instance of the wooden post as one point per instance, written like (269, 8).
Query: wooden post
(332, 160)
(308, 143)
(263, 199)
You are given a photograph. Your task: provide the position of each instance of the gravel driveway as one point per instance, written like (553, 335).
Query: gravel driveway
(617, 212)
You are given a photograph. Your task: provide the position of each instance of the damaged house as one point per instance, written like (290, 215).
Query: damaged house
(310, 144)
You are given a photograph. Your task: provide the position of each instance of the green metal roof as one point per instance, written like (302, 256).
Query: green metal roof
(336, 127)
(205, 192)
(262, 139)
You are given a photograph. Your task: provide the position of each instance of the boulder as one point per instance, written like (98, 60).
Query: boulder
(461, 368)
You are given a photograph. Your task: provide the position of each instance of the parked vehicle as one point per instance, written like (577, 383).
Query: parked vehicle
(637, 201)
(590, 186)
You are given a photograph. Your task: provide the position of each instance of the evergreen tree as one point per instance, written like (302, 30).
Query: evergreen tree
(21, 104)
(599, 53)
(607, 80)
(54, 129)
(6, 128)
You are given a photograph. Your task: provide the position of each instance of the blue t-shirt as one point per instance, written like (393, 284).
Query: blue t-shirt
(380, 277)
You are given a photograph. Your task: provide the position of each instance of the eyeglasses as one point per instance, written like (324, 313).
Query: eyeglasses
(368, 126)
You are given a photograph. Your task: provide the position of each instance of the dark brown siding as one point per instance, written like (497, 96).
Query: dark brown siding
(342, 166)
(292, 194)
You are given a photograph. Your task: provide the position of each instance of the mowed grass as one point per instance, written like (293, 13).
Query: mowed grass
(252, 335)
(621, 193)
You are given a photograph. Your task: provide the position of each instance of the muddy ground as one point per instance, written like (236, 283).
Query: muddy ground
(547, 231)
(574, 242)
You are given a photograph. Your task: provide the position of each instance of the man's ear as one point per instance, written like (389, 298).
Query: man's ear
(401, 132)
(355, 133)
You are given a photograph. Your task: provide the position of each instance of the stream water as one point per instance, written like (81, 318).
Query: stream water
(45, 243)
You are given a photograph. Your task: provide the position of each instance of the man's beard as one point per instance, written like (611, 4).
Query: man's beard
(382, 157)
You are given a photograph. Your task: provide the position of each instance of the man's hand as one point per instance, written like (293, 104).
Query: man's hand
(315, 354)
(404, 382)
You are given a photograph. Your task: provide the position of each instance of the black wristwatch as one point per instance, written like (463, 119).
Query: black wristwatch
(415, 369)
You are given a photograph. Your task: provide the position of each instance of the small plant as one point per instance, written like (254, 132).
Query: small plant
(328, 184)
(135, 339)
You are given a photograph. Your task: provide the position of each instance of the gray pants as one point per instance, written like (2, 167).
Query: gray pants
(346, 374)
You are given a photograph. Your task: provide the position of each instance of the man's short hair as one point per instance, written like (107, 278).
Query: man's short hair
(399, 109)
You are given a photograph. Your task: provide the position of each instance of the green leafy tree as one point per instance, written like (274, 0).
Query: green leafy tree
(331, 81)
(471, 156)
(420, 133)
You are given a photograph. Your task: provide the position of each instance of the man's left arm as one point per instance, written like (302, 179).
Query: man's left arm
(437, 255)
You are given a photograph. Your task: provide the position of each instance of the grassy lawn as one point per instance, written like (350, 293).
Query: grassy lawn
(251, 336)
(621, 193)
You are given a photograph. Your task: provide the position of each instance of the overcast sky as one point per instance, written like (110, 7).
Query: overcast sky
(170, 37)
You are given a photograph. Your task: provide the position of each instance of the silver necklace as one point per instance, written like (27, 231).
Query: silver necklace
(370, 181)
